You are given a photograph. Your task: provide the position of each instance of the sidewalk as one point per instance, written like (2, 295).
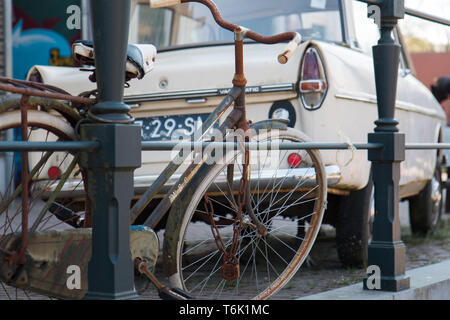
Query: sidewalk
(431, 282)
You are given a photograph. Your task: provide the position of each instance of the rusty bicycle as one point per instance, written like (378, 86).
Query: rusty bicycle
(237, 223)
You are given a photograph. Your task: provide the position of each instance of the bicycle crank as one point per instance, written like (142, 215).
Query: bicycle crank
(165, 293)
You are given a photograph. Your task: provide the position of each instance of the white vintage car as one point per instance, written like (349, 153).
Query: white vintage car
(326, 90)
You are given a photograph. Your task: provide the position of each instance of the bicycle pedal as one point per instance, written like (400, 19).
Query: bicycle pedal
(174, 294)
(183, 293)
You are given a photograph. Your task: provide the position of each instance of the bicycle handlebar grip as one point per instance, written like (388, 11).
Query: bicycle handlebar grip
(287, 53)
(163, 3)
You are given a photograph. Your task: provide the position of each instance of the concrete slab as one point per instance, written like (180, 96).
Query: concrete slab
(427, 283)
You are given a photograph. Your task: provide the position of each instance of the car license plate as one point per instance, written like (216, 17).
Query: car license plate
(167, 128)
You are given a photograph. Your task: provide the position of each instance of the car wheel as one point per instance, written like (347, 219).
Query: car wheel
(354, 226)
(425, 209)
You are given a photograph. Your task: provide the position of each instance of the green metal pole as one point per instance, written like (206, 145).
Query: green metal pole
(110, 170)
(386, 250)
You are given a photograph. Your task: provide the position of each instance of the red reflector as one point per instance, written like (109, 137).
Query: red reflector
(54, 173)
(294, 160)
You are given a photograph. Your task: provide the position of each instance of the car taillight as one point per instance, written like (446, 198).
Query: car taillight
(35, 76)
(313, 83)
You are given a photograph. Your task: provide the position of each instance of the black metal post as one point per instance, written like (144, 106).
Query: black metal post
(110, 170)
(386, 250)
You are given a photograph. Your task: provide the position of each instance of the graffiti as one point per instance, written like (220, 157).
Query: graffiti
(34, 46)
(57, 60)
(40, 37)
(43, 33)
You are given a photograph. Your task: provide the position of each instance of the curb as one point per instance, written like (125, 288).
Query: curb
(427, 283)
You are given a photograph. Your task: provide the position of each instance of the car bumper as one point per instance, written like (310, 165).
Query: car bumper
(298, 178)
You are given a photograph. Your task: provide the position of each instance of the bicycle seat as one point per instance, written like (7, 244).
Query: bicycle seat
(140, 57)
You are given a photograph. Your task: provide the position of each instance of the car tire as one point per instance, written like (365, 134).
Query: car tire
(425, 209)
(353, 226)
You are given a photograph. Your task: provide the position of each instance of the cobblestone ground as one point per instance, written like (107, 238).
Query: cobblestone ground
(325, 272)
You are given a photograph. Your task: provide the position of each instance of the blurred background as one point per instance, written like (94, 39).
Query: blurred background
(429, 43)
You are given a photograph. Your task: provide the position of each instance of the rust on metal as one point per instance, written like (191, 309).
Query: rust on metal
(230, 264)
(231, 120)
(12, 102)
(239, 79)
(231, 271)
(29, 88)
(36, 85)
(141, 266)
(20, 258)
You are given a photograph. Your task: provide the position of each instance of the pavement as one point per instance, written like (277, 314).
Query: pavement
(426, 283)
(431, 282)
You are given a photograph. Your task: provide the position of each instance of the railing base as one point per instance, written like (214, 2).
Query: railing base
(132, 295)
(390, 259)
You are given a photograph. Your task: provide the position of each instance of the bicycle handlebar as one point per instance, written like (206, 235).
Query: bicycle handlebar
(163, 3)
(294, 37)
(290, 49)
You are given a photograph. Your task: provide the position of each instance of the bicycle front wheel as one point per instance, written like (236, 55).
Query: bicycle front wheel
(287, 196)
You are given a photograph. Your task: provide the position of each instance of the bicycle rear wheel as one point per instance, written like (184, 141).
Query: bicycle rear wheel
(56, 195)
(288, 196)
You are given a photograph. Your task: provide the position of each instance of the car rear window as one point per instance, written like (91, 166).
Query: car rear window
(192, 24)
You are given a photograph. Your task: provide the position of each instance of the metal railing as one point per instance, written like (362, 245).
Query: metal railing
(89, 146)
(414, 13)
